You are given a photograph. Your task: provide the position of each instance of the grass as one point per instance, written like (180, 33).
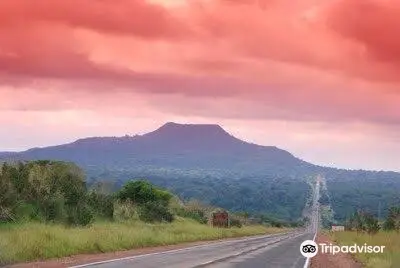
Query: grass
(391, 256)
(35, 241)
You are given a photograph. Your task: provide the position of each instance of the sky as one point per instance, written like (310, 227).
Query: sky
(320, 78)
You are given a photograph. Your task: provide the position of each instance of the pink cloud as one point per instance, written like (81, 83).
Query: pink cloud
(307, 32)
(302, 60)
(136, 17)
(375, 24)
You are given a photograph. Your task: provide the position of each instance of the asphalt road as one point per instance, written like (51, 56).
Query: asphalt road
(264, 251)
(275, 251)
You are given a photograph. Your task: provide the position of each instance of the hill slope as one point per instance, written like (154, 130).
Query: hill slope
(172, 146)
(207, 163)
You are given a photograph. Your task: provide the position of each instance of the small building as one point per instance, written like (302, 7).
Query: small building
(337, 228)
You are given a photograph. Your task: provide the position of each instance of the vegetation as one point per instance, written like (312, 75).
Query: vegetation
(278, 197)
(363, 222)
(152, 203)
(327, 216)
(392, 222)
(44, 191)
(194, 162)
(366, 222)
(34, 241)
(372, 192)
(390, 258)
(363, 228)
(47, 211)
(204, 162)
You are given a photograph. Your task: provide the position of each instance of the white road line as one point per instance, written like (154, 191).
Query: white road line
(307, 264)
(249, 251)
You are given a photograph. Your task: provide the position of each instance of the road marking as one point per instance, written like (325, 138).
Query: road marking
(245, 252)
(307, 264)
(177, 250)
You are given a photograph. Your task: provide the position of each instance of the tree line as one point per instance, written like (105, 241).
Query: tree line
(362, 221)
(52, 191)
(56, 192)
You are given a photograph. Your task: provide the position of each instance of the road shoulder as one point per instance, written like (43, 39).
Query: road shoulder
(341, 260)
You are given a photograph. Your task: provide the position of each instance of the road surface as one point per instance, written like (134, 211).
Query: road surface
(275, 251)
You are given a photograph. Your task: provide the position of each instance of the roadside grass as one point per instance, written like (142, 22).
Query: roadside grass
(391, 240)
(36, 241)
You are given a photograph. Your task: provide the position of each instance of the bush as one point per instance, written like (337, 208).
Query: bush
(80, 216)
(101, 204)
(42, 190)
(155, 212)
(363, 222)
(124, 211)
(393, 219)
(389, 224)
(235, 223)
(85, 216)
(197, 215)
(141, 192)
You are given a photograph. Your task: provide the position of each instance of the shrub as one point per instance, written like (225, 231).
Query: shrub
(141, 192)
(101, 204)
(85, 216)
(124, 211)
(236, 223)
(389, 224)
(155, 212)
(393, 219)
(197, 215)
(80, 216)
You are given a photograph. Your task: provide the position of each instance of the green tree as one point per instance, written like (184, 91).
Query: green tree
(151, 201)
(393, 219)
(101, 204)
(154, 212)
(8, 195)
(50, 191)
(141, 192)
(371, 224)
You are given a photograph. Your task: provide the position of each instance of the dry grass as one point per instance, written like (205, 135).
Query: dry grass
(34, 241)
(391, 240)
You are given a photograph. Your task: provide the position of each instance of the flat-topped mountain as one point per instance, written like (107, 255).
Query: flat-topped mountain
(173, 145)
(207, 163)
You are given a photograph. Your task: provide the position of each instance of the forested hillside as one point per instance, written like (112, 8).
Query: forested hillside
(276, 197)
(369, 191)
(207, 163)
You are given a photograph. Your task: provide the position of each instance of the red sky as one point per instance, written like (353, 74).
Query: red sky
(320, 78)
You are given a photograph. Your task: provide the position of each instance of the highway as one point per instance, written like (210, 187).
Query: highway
(279, 250)
(314, 217)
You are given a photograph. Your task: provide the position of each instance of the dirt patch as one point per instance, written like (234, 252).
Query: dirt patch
(341, 260)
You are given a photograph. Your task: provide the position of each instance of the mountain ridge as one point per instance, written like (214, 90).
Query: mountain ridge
(166, 134)
(207, 163)
(170, 138)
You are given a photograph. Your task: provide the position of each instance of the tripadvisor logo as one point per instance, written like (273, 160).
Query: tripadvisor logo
(333, 249)
(309, 249)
